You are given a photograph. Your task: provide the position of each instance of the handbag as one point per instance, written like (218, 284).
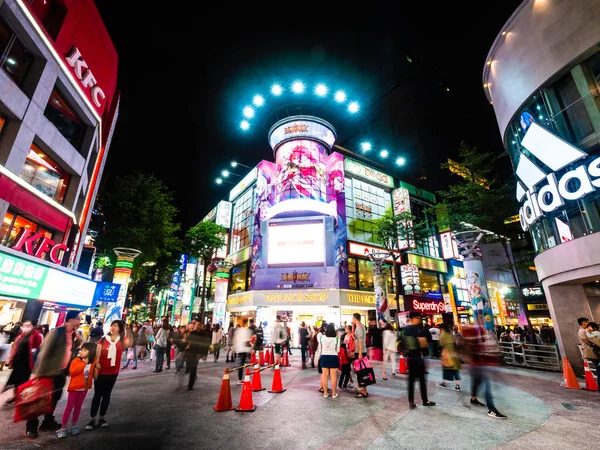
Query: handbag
(130, 353)
(447, 359)
(364, 375)
(374, 353)
(34, 398)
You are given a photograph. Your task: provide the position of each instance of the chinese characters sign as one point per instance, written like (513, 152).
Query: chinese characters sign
(21, 278)
(363, 171)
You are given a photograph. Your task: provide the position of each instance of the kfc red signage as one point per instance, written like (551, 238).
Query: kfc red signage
(430, 306)
(36, 244)
(85, 75)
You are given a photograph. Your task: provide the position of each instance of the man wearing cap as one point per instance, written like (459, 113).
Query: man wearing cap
(53, 361)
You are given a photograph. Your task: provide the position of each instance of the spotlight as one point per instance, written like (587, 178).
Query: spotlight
(401, 161)
(321, 90)
(234, 164)
(298, 87)
(353, 107)
(219, 181)
(340, 96)
(244, 125)
(384, 153)
(258, 100)
(276, 89)
(248, 112)
(365, 146)
(225, 173)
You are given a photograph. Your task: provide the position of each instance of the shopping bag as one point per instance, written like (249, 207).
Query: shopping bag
(172, 352)
(130, 353)
(357, 364)
(153, 354)
(374, 353)
(34, 398)
(364, 374)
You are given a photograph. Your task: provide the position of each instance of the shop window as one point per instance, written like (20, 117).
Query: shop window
(242, 221)
(45, 175)
(364, 204)
(51, 14)
(65, 119)
(429, 281)
(238, 279)
(429, 246)
(6, 227)
(576, 114)
(12, 225)
(15, 60)
(361, 275)
(352, 273)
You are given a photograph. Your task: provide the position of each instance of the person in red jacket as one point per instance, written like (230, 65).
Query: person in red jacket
(22, 355)
(82, 375)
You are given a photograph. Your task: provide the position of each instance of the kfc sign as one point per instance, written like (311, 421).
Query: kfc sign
(85, 75)
(429, 306)
(36, 244)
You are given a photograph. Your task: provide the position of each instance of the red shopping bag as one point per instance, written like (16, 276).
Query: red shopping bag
(172, 352)
(375, 354)
(34, 399)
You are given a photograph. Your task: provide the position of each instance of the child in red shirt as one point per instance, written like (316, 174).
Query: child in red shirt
(344, 367)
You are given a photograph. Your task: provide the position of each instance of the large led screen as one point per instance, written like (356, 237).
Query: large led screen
(296, 244)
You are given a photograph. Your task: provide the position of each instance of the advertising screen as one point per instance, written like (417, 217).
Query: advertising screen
(297, 244)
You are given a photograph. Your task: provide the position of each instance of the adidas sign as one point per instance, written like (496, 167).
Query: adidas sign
(556, 154)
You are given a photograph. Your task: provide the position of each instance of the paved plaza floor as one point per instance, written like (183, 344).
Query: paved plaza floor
(155, 411)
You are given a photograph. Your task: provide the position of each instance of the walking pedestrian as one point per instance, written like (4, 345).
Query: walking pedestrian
(178, 342)
(360, 342)
(169, 345)
(329, 347)
(242, 346)
(82, 375)
(206, 338)
(450, 361)
(96, 333)
(350, 345)
(230, 351)
(279, 336)
(481, 351)
(435, 342)
(132, 338)
(192, 350)
(415, 341)
(217, 335)
(142, 343)
(108, 362)
(22, 356)
(160, 345)
(389, 349)
(53, 361)
(303, 334)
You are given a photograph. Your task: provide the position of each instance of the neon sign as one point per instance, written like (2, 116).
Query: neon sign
(86, 77)
(26, 242)
(431, 306)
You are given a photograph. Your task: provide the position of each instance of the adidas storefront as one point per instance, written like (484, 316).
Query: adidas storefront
(544, 84)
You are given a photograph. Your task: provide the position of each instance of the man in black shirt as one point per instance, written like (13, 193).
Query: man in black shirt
(415, 341)
(193, 347)
(303, 338)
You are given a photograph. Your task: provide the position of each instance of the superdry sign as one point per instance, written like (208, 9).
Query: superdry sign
(555, 154)
(38, 245)
(428, 306)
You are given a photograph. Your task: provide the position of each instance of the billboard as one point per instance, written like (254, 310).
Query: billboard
(302, 129)
(362, 171)
(297, 244)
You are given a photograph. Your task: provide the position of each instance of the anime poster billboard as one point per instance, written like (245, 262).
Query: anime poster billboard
(478, 292)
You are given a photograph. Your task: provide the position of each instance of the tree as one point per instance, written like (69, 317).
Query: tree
(391, 230)
(204, 240)
(480, 199)
(137, 211)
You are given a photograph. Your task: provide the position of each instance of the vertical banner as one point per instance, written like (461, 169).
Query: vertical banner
(401, 199)
(478, 293)
(220, 301)
(337, 196)
(381, 294)
(122, 275)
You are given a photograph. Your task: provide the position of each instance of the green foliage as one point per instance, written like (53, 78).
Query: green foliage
(138, 213)
(390, 228)
(204, 239)
(479, 197)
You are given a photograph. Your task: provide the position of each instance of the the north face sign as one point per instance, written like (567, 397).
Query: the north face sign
(556, 154)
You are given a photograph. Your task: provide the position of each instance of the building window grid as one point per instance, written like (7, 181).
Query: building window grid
(15, 59)
(242, 221)
(364, 205)
(429, 246)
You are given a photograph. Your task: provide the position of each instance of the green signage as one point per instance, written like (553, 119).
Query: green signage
(418, 192)
(424, 262)
(367, 173)
(21, 278)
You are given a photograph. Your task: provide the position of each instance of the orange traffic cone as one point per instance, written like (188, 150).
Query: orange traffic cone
(261, 358)
(277, 386)
(285, 362)
(246, 404)
(272, 360)
(224, 401)
(256, 381)
(570, 378)
(402, 368)
(590, 382)
(267, 356)
(253, 358)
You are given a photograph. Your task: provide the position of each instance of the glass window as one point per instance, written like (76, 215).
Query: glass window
(366, 204)
(12, 224)
(16, 60)
(59, 112)
(238, 279)
(45, 175)
(431, 245)
(6, 226)
(577, 116)
(51, 13)
(243, 214)
(429, 281)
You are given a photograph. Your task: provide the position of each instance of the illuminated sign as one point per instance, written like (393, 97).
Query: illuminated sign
(428, 306)
(364, 299)
(449, 246)
(401, 201)
(223, 214)
(535, 291)
(239, 299)
(302, 128)
(242, 185)
(295, 276)
(85, 75)
(296, 244)
(211, 215)
(537, 306)
(425, 262)
(106, 292)
(555, 154)
(418, 192)
(511, 219)
(36, 244)
(367, 173)
(241, 256)
(357, 249)
(411, 281)
(318, 297)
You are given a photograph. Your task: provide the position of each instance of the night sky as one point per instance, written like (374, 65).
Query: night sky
(184, 76)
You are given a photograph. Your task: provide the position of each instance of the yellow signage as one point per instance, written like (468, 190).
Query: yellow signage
(241, 300)
(317, 297)
(537, 306)
(363, 299)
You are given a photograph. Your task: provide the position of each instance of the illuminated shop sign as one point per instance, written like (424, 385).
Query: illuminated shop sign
(424, 262)
(295, 276)
(449, 246)
(354, 248)
(411, 281)
(555, 154)
(36, 244)
(106, 292)
(243, 299)
(84, 74)
(534, 291)
(211, 215)
(428, 306)
(318, 297)
(367, 173)
(242, 185)
(418, 192)
(238, 257)
(304, 129)
(401, 199)
(224, 214)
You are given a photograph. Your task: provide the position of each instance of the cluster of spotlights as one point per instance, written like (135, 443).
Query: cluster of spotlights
(297, 88)
(225, 173)
(383, 153)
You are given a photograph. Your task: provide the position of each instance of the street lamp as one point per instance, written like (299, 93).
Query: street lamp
(235, 164)
(221, 181)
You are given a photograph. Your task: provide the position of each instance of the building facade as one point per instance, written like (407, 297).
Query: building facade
(58, 108)
(542, 77)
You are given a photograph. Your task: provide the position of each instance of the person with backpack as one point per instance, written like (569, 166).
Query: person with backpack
(415, 343)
